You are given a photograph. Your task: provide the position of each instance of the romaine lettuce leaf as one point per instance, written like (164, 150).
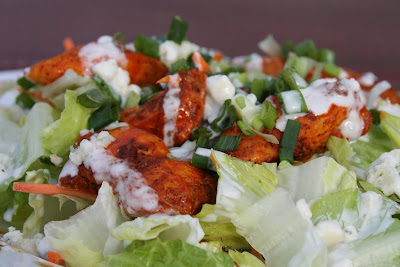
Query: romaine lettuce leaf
(86, 237)
(245, 259)
(359, 154)
(163, 226)
(391, 126)
(315, 179)
(59, 136)
(265, 216)
(369, 213)
(169, 253)
(382, 249)
(219, 229)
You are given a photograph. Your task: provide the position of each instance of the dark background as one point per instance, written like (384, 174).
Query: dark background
(364, 33)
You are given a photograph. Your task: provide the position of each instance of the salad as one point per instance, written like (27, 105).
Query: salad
(161, 152)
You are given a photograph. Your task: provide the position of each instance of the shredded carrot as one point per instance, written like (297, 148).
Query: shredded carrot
(257, 254)
(54, 257)
(218, 56)
(68, 44)
(52, 189)
(164, 80)
(200, 63)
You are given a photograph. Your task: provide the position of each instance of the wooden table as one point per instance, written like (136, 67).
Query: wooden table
(364, 33)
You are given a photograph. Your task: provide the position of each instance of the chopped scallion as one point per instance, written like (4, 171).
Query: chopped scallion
(177, 30)
(293, 101)
(256, 123)
(103, 86)
(147, 98)
(102, 117)
(306, 49)
(226, 117)
(180, 65)
(202, 131)
(118, 39)
(268, 115)
(289, 141)
(246, 130)
(93, 98)
(147, 46)
(377, 116)
(332, 69)
(25, 84)
(132, 101)
(326, 56)
(287, 47)
(200, 161)
(260, 89)
(25, 101)
(241, 101)
(227, 142)
(233, 69)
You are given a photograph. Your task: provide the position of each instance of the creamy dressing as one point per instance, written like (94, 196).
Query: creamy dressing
(171, 108)
(376, 91)
(368, 79)
(321, 94)
(131, 187)
(103, 49)
(218, 88)
(170, 52)
(8, 99)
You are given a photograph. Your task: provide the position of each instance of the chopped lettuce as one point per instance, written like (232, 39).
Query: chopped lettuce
(169, 253)
(163, 226)
(359, 154)
(382, 249)
(315, 179)
(391, 126)
(59, 136)
(86, 237)
(369, 213)
(245, 259)
(267, 217)
(220, 228)
(241, 183)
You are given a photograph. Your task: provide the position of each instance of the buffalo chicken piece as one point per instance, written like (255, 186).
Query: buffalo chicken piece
(143, 70)
(173, 114)
(144, 180)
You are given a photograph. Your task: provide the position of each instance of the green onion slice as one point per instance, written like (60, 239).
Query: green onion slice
(293, 79)
(260, 89)
(226, 117)
(177, 30)
(102, 117)
(332, 69)
(302, 65)
(246, 130)
(25, 101)
(268, 115)
(317, 71)
(180, 65)
(118, 39)
(227, 142)
(147, 46)
(25, 84)
(293, 102)
(148, 97)
(103, 86)
(326, 56)
(201, 159)
(93, 98)
(306, 48)
(132, 101)
(256, 123)
(289, 141)
(377, 116)
(202, 131)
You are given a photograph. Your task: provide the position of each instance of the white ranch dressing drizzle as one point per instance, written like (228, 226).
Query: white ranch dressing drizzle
(171, 105)
(131, 186)
(103, 49)
(321, 94)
